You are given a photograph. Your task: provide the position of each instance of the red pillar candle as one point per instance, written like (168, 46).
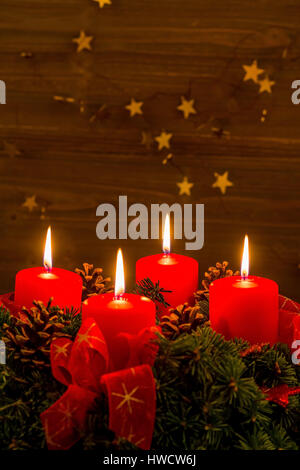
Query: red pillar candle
(119, 312)
(174, 272)
(245, 306)
(42, 283)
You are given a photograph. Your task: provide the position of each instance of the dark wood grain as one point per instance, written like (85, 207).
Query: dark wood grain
(156, 52)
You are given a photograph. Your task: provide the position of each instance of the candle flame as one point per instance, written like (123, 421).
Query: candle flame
(48, 251)
(245, 259)
(166, 237)
(120, 278)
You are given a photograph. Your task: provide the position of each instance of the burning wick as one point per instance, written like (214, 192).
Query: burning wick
(48, 252)
(166, 237)
(120, 277)
(245, 259)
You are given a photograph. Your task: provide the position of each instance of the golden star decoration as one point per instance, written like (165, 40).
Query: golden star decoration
(187, 107)
(50, 437)
(222, 182)
(185, 187)
(147, 139)
(163, 140)
(130, 437)
(86, 337)
(167, 158)
(134, 107)
(265, 85)
(127, 397)
(67, 413)
(252, 72)
(83, 41)
(61, 350)
(30, 203)
(102, 3)
(10, 149)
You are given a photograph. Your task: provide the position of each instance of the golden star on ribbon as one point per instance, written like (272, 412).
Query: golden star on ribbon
(265, 85)
(185, 186)
(83, 41)
(130, 437)
(163, 140)
(61, 350)
(102, 3)
(134, 107)
(10, 149)
(67, 413)
(86, 337)
(252, 72)
(127, 398)
(222, 182)
(49, 437)
(187, 107)
(30, 203)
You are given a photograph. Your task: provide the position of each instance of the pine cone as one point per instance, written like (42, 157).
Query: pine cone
(182, 319)
(214, 272)
(30, 334)
(93, 281)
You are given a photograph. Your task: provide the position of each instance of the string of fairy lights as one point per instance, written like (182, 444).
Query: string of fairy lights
(186, 107)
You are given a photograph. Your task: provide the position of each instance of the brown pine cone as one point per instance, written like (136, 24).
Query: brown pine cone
(93, 281)
(182, 319)
(30, 334)
(214, 272)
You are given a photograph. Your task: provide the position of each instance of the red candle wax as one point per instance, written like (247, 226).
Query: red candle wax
(126, 313)
(117, 313)
(38, 284)
(42, 283)
(245, 308)
(174, 272)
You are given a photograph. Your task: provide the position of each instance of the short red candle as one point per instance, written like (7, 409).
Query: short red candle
(117, 313)
(245, 307)
(37, 284)
(174, 272)
(128, 313)
(42, 283)
(177, 273)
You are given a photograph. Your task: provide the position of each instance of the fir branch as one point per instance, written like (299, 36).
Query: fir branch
(153, 291)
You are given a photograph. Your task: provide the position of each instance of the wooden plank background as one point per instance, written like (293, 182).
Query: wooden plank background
(155, 51)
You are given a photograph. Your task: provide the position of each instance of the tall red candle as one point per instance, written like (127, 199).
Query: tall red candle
(119, 312)
(245, 306)
(42, 283)
(174, 272)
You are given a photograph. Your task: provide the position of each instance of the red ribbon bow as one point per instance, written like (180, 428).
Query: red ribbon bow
(84, 367)
(280, 394)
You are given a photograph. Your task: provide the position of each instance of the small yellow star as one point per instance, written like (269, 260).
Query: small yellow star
(30, 203)
(147, 139)
(185, 187)
(265, 85)
(134, 107)
(252, 72)
(127, 397)
(83, 42)
(102, 3)
(10, 149)
(187, 107)
(222, 182)
(163, 140)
